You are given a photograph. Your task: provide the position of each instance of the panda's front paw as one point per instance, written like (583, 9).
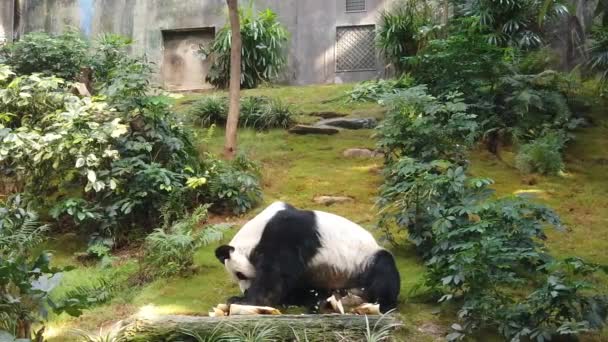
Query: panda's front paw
(236, 300)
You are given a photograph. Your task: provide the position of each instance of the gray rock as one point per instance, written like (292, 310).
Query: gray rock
(329, 200)
(316, 129)
(328, 115)
(432, 329)
(361, 153)
(349, 123)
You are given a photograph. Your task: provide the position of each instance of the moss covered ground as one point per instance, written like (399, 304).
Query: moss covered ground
(297, 168)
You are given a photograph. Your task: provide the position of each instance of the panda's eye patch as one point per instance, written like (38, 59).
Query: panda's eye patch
(241, 276)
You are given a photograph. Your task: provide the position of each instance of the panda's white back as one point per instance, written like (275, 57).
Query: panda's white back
(249, 235)
(346, 246)
(345, 250)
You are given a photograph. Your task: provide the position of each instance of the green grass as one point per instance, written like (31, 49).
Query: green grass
(298, 168)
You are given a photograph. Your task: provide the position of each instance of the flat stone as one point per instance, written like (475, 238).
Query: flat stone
(329, 200)
(361, 153)
(349, 123)
(316, 129)
(328, 115)
(432, 329)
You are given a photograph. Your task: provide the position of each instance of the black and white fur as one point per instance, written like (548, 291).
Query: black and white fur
(284, 254)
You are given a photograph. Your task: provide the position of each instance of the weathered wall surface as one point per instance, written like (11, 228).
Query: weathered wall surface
(312, 24)
(6, 20)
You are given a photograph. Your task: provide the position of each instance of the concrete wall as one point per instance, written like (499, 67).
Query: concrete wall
(312, 24)
(6, 21)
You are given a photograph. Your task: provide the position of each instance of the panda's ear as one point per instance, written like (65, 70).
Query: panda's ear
(223, 252)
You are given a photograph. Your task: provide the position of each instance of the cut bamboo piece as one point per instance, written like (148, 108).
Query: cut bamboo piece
(237, 310)
(367, 309)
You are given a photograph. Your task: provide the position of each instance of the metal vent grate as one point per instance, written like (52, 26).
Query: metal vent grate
(355, 48)
(355, 5)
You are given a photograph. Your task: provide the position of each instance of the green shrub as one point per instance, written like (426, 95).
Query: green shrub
(375, 90)
(233, 186)
(60, 55)
(514, 23)
(111, 163)
(264, 48)
(210, 110)
(537, 61)
(110, 54)
(510, 105)
(257, 112)
(27, 99)
(264, 113)
(482, 252)
(403, 30)
(170, 250)
(598, 52)
(464, 61)
(420, 124)
(542, 155)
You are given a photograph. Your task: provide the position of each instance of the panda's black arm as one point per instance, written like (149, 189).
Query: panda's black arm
(276, 276)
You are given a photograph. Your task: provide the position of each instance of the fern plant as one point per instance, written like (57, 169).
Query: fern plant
(542, 155)
(170, 250)
(26, 275)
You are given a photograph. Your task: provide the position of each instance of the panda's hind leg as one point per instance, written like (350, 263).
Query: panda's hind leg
(381, 282)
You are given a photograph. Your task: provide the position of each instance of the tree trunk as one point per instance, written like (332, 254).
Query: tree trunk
(24, 329)
(286, 327)
(235, 80)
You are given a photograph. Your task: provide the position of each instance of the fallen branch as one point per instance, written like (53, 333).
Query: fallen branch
(316, 327)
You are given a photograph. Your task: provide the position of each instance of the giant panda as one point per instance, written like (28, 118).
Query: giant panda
(283, 254)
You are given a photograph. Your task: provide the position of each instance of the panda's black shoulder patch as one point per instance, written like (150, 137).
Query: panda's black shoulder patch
(291, 233)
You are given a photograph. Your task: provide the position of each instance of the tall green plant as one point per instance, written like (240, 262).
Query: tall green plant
(264, 48)
(598, 52)
(403, 30)
(514, 22)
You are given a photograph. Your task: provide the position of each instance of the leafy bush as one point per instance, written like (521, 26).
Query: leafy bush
(464, 61)
(257, 112)
(109, 55)
(513, 23)
(375, 90)
(509, 104)
(537, 61)
(264, 47)
(170, 250)
(264, 113)
(109, 163)
(420, 124)
(210, 110)
(542, 155)
(598, 51)
(484, 253)
(402, 31)
(27, 99)
(59, 55)
(233, 186)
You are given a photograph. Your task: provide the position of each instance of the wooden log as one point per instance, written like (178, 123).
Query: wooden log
(286, 327)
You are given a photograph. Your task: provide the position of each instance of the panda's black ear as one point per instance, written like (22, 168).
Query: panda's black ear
(223, 252)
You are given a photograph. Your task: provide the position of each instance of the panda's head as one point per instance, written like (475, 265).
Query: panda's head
(237, 264)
